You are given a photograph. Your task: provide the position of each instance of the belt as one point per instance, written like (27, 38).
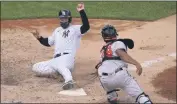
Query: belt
(111, 58)
(58, 55)
(107, 74)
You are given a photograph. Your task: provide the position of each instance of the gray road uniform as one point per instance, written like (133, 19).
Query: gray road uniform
(113, 74)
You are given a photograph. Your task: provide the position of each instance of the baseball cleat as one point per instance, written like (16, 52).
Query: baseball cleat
(115, 101)
(68, 85)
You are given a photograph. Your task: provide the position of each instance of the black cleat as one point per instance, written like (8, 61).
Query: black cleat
(68, 85)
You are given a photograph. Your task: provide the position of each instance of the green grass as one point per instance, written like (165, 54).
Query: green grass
(115, 10)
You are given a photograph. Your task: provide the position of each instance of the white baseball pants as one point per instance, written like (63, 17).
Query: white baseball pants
(63, 65)
(122, 79)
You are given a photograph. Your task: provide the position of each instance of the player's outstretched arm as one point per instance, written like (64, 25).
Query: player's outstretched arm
(125, 57)
(85, 26)
(43, 41)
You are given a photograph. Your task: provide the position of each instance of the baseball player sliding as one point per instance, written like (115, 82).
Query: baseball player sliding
(66, 40)
(112, 69)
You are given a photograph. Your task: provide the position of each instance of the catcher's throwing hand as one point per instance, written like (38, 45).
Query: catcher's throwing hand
(139, 69)
(80, 6)
(36, 34)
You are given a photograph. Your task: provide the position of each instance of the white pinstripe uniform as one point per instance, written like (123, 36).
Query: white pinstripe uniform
(65, 41)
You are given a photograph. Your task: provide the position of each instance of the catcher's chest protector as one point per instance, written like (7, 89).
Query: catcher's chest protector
(107, 54)
(106, 51)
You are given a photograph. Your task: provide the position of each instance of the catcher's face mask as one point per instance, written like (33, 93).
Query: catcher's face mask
(109, 33)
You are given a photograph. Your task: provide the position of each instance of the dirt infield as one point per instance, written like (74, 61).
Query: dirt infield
(20, 50)
(165, 82)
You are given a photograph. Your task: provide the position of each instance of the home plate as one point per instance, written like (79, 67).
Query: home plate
(75, 92)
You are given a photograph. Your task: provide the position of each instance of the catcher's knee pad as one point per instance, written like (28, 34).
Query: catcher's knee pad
(112, 97)
(143, 99)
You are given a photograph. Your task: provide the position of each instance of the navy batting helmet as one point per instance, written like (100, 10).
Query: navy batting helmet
(65, 14)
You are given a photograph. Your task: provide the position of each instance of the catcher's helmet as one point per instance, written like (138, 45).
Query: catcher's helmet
(109, 33)
(65, 14)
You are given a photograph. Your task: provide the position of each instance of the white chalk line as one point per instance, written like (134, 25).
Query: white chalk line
(149, 63)
(172, 55)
